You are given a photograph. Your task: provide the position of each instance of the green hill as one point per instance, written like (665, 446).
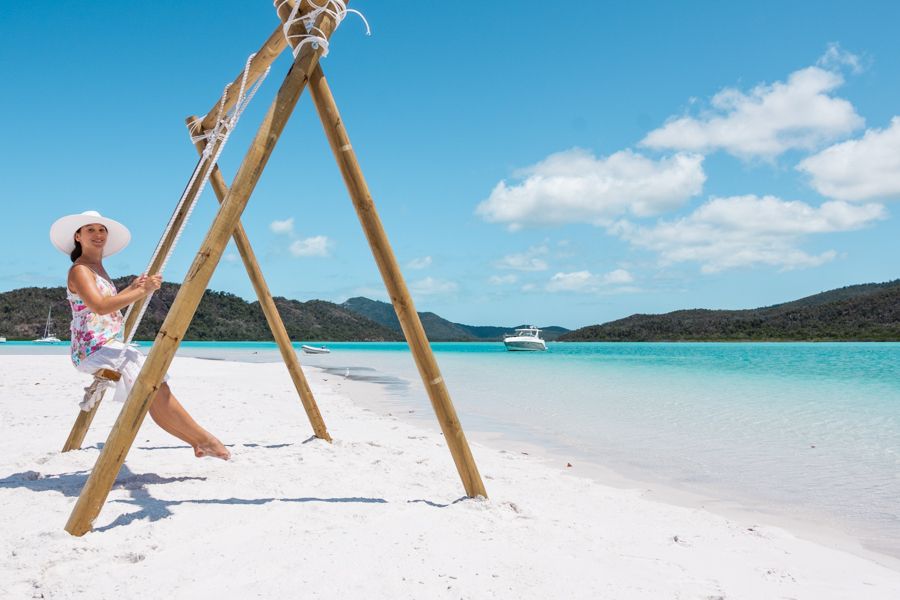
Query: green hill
(868, 312)
(220, 316)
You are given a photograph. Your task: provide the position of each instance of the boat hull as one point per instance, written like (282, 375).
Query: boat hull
(525, 345)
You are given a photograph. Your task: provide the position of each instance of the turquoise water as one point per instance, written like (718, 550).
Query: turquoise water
(810, 431)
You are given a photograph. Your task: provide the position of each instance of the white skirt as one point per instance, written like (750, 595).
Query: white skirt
(110, 356)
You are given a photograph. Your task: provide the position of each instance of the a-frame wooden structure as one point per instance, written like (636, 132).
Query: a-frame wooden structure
(304, 72)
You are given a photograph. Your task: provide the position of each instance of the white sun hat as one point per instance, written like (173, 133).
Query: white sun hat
(62, 232)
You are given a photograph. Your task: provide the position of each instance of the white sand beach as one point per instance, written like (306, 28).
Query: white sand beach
(378, 513)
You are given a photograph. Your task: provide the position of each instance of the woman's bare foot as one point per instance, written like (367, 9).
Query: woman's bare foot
(212, 447)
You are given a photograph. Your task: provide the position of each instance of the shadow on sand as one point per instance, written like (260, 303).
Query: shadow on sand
(153, 509)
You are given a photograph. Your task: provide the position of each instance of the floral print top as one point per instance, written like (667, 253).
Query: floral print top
(91, 331)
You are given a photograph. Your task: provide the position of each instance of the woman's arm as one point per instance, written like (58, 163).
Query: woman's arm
(81, 281)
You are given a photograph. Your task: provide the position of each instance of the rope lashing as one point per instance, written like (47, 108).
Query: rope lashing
(336, 9)
(94, 392)
(103, 379)
(216, 138)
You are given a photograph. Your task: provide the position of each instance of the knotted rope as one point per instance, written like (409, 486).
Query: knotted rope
(94, 392)
(336, 9)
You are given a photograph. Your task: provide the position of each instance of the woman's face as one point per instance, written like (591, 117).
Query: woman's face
(92, 235)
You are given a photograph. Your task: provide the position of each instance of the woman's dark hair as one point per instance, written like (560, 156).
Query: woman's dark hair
(77, 251)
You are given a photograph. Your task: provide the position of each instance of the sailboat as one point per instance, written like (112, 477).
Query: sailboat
(48, 337)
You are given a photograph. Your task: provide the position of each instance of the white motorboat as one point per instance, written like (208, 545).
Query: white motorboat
(526, 339)
(48, 337)
(2, 340)
(315, 349)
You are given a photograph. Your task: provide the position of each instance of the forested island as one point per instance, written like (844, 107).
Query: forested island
(868, 312)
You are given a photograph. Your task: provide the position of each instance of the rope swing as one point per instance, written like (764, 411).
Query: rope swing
(216, 139)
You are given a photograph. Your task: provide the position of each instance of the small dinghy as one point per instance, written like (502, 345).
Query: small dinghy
(315, 349)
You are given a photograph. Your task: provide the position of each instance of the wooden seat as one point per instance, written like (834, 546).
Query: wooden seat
(83, 421)
(107, 374)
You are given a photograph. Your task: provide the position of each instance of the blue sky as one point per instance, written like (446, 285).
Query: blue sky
(531, 163)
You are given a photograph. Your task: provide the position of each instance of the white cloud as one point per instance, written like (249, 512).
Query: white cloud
(318, 245)
(836, 57)
(618, 276)
(503, 279)
(431, 287)
(419, 263)
(585, 281)
(770, 119)
(576, 187)
(230, 257)
(525, 261)
(285, 227)
(740, 231)
(570, 282)
(867, 168)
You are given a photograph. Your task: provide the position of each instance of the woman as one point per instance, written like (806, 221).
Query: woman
(96, 320)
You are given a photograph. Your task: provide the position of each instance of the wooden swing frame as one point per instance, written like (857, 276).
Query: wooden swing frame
(304, 72)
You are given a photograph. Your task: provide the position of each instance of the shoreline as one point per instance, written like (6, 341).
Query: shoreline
(813, 529)
(377, 512)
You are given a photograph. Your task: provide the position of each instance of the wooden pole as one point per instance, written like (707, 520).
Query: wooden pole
(276, 325)
(80, 427)
(396, 286)
(111, 458)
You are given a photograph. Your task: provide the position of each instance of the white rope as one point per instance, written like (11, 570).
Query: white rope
(216, 138)
(336, 9)
(94, 392)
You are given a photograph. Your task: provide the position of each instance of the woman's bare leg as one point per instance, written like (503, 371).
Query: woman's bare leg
(169, 414)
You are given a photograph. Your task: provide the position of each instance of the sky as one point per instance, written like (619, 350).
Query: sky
(532, 162)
